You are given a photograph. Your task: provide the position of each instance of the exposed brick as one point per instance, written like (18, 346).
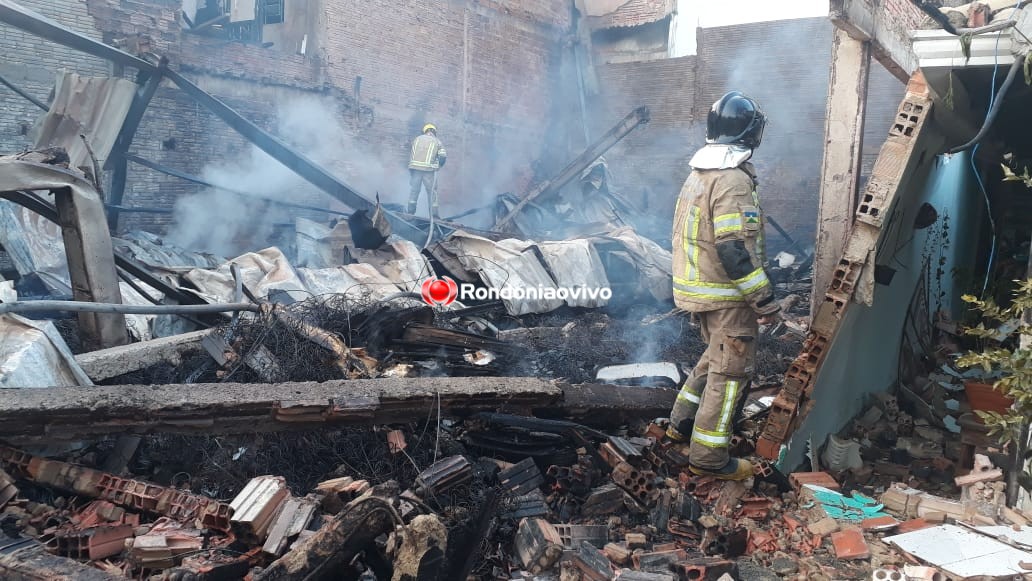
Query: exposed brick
(633, 13)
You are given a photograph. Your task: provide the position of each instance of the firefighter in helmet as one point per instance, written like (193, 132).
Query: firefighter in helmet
(718, 257)
(428, 156)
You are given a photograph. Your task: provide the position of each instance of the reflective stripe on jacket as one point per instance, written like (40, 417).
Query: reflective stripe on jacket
(715, 206)
(427, 152)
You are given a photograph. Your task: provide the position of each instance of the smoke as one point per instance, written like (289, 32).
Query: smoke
(504, 156)
(795, 106)
(217, 221)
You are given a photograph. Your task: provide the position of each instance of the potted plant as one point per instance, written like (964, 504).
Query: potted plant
(1005, 407)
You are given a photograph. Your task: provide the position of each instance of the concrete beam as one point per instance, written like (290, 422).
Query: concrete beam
(59, 413)
(843, 154)
(889, 35)
(108, 363)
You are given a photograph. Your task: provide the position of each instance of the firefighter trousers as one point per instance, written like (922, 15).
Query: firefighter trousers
(711, 393)
(418, 180)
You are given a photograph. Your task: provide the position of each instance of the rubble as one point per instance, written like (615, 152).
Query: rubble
(422, 551)
(340, 426)
(561, 498)
(257, 505)
(8, 490)
(962, 553)
(27, 559)
(537, 544)
(163, 546)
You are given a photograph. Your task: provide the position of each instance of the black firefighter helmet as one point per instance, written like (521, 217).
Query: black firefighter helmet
(735, 120)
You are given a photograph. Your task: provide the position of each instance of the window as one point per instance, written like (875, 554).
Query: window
(272, 11)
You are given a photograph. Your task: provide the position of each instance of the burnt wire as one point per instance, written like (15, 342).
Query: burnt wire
(220, 466)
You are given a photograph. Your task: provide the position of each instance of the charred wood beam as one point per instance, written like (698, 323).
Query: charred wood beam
(24, 94)
(602, 404)
(335, 544)
(35, 23)
(66, 413)
(25, 559)
(117, 160)
(633, 119)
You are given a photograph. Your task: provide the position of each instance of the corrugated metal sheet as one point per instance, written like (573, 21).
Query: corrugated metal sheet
(33, 354)
(92, 106)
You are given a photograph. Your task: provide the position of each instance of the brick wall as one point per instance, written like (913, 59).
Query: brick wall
(901, 16)
(486, 72)
(784, 65)
(32, 64)
(648, 162)
(884, 94)
(487, 75)
(633, 13)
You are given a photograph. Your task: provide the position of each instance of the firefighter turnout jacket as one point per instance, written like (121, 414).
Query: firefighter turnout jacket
(427, 153)
(718, 244)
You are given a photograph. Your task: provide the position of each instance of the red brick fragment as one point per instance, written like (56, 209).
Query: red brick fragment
(850, 544)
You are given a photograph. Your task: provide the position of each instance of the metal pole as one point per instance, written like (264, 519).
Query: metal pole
(84, 307)
(117, 161)
(611, 138)
(23, 93)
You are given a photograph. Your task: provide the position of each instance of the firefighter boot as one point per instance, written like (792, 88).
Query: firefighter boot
(735, 469)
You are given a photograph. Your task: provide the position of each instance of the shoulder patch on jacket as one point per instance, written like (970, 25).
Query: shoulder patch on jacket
(750, 218)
